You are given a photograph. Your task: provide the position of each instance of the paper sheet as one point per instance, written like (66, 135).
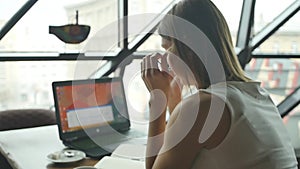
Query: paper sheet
(109, 162)
(130, 151)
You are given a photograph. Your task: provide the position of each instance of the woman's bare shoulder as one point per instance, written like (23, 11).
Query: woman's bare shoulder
(194, 101)
(193, 112)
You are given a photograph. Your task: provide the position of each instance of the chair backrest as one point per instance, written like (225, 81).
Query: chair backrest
(25, 118)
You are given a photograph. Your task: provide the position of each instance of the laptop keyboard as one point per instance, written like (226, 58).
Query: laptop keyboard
(99, 146)
(134, 134)
(97, 152)
(86, 143)
(104, 141)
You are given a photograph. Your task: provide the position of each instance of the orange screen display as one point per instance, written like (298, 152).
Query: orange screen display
(87, 101)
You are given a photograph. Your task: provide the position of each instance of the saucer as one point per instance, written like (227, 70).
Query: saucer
(66, 156)
(85, 167)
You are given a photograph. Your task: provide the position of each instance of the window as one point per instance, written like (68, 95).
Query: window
(28, 84)
(232, 16)
(285, 40)
(294, 47)
(136, 92)
(276, 47)
(8, 9)
(31, 33)
(279, 76)
(24, 83)
(264, 14)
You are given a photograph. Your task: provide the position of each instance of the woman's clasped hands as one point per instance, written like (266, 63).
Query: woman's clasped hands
(160, 79)
(155, 72)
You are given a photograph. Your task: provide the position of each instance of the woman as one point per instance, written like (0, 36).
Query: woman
(230, 122)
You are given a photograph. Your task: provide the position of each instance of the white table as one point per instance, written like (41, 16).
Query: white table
(28, 148)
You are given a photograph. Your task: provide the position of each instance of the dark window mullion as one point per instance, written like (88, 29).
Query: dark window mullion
(244, 31)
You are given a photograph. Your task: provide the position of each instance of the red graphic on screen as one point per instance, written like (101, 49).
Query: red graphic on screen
(83, 96)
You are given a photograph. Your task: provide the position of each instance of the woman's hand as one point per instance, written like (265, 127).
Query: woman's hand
(161, 78)
(155, 78)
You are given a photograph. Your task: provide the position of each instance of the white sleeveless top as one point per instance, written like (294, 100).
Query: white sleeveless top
(257, 138)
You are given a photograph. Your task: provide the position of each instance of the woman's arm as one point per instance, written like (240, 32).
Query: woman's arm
(157, 124)
(163, 94)
(158, 104)
(180, 145)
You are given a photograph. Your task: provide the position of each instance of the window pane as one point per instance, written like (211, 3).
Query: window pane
(136, 92)
(31, 33)
(279, 76)
(144, 6)
(232, 16)
(28, 84)
(143, 12)
(267, 10)
(285, 40)
(152, 44)
(296, 111)
(8, 8)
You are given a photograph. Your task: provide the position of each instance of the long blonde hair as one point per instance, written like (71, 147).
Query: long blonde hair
(206, 16)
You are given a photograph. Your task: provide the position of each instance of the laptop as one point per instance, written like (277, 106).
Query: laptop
(92, 115)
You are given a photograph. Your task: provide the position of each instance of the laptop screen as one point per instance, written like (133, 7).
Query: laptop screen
(89, 104)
